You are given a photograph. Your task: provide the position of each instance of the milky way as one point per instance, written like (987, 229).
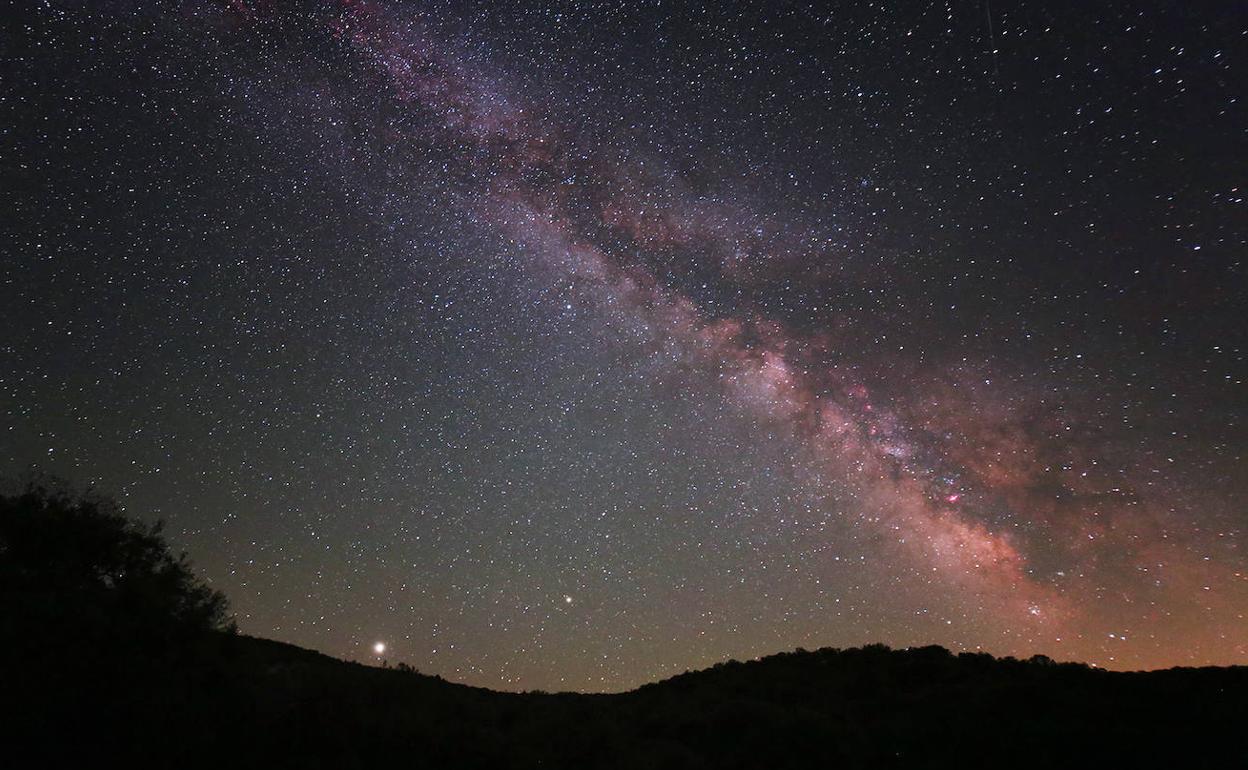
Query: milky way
(574, 348)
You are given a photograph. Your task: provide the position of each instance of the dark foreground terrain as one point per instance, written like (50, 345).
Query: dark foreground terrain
(236, 700)
(113, 654)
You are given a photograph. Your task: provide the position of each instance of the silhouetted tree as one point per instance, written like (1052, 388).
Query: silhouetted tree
(71, 564)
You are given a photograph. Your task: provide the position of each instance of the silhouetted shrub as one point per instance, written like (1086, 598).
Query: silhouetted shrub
(73, 566)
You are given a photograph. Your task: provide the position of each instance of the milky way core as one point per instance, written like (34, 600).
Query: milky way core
(571, 347)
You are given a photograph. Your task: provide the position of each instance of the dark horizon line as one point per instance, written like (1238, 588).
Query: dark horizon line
(1036, 659)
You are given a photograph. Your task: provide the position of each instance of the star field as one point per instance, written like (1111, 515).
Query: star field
(572, 346)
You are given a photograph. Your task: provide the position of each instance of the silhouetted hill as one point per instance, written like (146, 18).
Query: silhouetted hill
(112, 653)
(239, 700)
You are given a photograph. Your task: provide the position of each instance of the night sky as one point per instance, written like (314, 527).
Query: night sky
(571, 347)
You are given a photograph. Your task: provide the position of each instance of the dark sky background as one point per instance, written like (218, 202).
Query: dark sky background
(573, 346)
